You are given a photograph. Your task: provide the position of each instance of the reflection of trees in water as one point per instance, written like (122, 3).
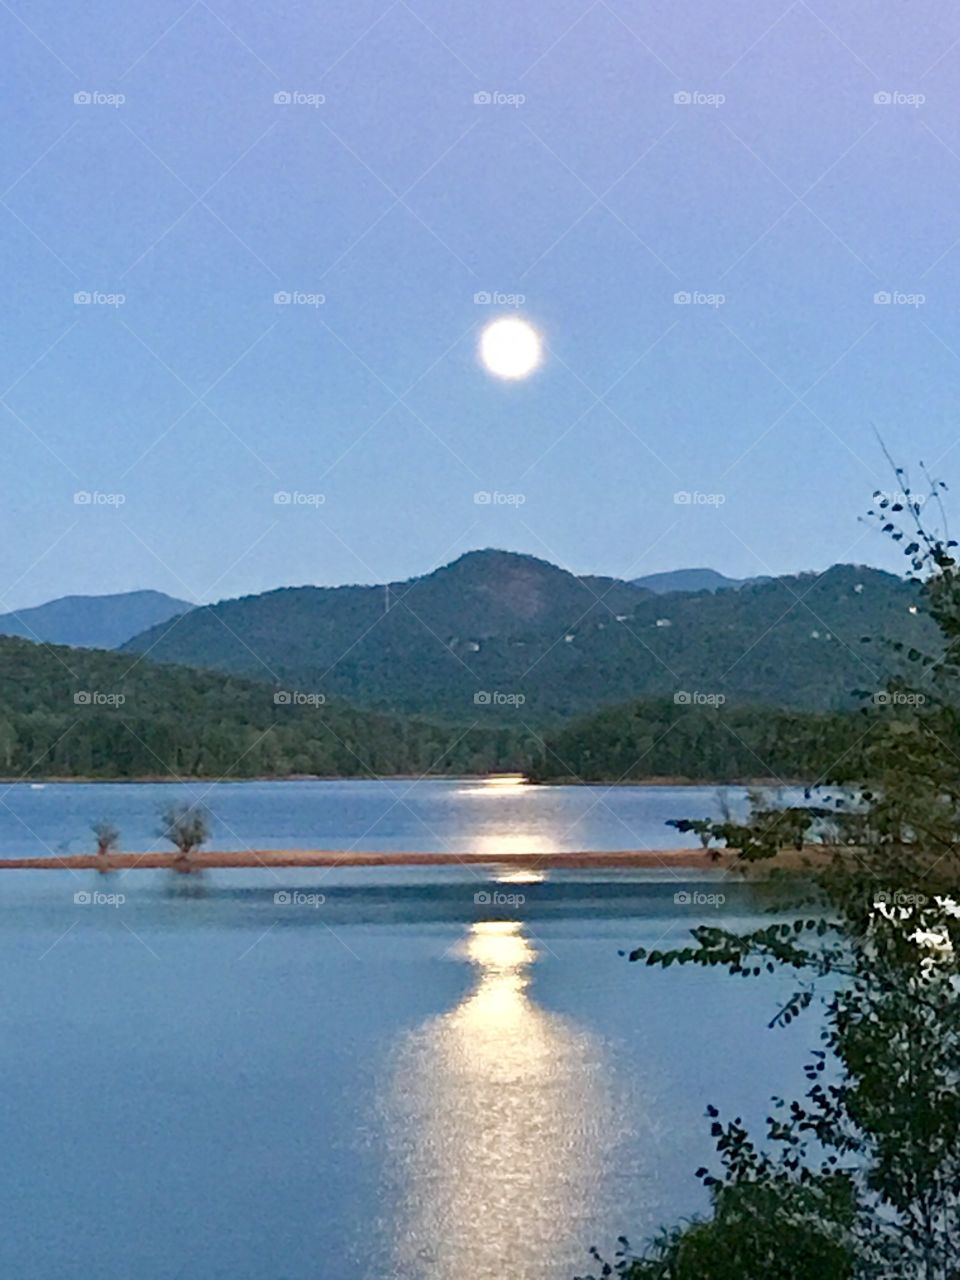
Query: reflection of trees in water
(179, 886)
(501, 1122)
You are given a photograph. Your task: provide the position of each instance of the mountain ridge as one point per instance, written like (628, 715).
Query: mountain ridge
(92, 621)
(545, 643)
(674, 580)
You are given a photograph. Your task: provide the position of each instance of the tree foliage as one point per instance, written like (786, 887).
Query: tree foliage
(68, 713)
(107, 836)
(661, 738)
(861, 1177)
(186, 826)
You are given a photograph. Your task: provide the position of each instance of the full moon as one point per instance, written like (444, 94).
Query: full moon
(510, 348)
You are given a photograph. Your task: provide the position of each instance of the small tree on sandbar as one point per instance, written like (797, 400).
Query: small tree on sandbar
(108, 837)
(187, 827)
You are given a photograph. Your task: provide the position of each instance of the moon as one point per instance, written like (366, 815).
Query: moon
(510, 348)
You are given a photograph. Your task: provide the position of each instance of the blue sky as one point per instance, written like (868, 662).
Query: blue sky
(782, 198)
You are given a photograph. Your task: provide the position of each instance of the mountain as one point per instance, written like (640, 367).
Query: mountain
(87, 713)
(496, 635)
(692, 580)
(92, 622)
(93, 714)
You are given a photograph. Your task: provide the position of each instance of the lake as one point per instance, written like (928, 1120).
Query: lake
(469, 816)
(413, 1073)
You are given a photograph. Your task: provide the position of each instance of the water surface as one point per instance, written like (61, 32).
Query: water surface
(411, 1073)
(469, 816)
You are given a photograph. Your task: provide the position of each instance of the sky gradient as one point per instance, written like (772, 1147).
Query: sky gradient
(783, 198)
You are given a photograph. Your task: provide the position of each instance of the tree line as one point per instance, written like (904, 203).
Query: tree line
(68, 713)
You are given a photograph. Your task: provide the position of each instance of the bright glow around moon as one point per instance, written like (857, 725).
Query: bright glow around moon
(510, 348)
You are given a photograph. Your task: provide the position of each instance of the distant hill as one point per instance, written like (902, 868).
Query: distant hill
(86, 713)
(692, 580)
(660, 738)
(92, 622)
(496, 635)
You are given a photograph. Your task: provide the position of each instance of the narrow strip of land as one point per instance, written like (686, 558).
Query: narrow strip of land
(689, 858)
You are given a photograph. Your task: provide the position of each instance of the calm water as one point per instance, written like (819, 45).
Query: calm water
(464, 816)
(399, 1081)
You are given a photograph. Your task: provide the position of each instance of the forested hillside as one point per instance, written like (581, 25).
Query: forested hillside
(661, 738)
(85, 713)
(93, 714)
(502, 624)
